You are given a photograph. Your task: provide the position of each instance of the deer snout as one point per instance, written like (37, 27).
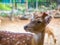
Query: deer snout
(25, 27)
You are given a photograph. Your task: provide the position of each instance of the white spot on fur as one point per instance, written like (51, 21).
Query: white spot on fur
(17, 43)
(8, 38)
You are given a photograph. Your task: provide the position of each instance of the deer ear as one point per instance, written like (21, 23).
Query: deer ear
(44, 15)
(48, 19)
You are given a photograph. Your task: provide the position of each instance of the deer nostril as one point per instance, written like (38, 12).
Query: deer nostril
(25, 27)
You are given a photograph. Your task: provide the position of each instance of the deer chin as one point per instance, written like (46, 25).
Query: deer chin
(29, 29)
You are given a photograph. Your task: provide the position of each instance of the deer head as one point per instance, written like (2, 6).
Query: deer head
(38, 22)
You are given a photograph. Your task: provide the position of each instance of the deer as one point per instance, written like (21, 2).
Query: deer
(12, 38)
(38, 26)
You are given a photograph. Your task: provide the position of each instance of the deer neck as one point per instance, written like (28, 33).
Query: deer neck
(39, 37)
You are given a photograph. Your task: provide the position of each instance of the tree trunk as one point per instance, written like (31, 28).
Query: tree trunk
(26, 5)
(15, 4)
(12, 15)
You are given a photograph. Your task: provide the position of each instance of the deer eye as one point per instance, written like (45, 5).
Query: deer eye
(39, 22)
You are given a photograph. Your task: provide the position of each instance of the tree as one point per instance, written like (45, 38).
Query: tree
(26, 5)
(0, 0)
(12, 15)
(15, 4)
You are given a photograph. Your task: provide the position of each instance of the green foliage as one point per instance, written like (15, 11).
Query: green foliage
(53, 5)
(3, 14)
(42, 0)
(0, 0)
(43, 8)
(37, 0)
(4, 7)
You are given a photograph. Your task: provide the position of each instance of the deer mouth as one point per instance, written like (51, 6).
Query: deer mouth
(28, 29)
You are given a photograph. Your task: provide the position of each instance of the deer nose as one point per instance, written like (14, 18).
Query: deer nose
(25, 27)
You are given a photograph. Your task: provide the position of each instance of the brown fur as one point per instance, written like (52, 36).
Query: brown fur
(38, 25)
(11, 38)
(49, 31)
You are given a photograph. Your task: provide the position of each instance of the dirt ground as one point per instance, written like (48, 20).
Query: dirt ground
(17, 26)
(14, 26)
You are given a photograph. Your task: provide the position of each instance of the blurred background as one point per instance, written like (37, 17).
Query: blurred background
(18, 7)
(14, 14)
